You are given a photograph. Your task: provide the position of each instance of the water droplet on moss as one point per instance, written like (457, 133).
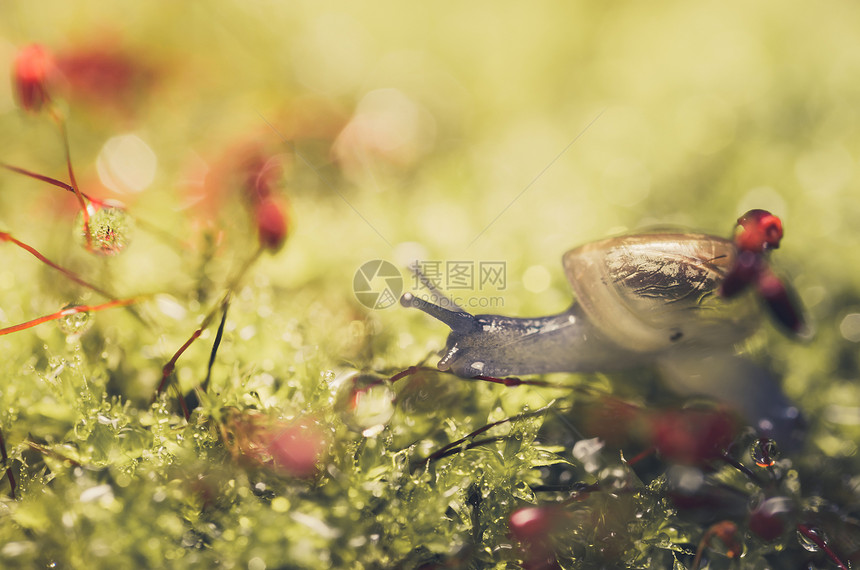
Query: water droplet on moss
(75, 323)
(764, 452)
(109, 228)
(523, 492)
(807, 542)
(365, 403)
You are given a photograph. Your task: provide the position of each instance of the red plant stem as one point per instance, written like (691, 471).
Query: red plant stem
(822, 544)
(168, 368)
(4, 236)
(61, 124)
(48, 179)
(204, 387)
(742, 468)
(726, 531)
(167, 238)
(404, 373)
(510, 381)
(69, 311)
(641, 455)
(9, 474)
(452, 447)
(514, 381)
(186, 413)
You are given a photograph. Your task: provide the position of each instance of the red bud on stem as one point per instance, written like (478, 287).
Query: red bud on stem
(31, 73)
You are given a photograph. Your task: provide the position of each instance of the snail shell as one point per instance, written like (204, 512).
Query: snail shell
(650, 292)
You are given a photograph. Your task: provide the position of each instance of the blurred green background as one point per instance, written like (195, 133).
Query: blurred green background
(445, 131)
(686, 114)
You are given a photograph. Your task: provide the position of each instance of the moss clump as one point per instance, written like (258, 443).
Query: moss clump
(399, 143)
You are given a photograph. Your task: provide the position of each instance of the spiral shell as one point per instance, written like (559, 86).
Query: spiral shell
(651, 292)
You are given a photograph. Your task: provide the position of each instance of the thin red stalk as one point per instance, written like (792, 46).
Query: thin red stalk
(74, 183)
(726, 531)
(408, 372)
(218, 335)
(742, 468)
(641, 455)
(167, 238)
(452, 447)
(48, 179)
(68, 311)
(186, 413)
(448, 450)
(4, 236)
(168, 368)
(510, 381)
(822, 544)
(514, 381)
(61, 124)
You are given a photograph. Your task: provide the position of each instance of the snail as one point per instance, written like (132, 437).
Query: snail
(677, 301)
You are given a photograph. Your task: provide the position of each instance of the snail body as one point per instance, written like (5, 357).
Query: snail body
(637, 297)
(655, 299)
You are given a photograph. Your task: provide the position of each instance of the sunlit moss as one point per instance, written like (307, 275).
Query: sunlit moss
(416, 136)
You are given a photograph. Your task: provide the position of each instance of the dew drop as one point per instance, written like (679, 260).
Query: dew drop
(109, 228)
(764, 452)
(75, 323)
(365, 403)
(807, 540)
(523, 492)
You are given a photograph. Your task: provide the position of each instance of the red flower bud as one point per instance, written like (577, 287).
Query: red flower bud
(781, 302)
(297, 450)
(758, 230)
(769, 520)
(692, 437)
(104, 74)
(533, 528)
(294, 448)
(533, 523)
(31, 72)
(271, 224)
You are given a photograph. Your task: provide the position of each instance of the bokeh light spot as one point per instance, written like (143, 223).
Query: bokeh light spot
(126, 164)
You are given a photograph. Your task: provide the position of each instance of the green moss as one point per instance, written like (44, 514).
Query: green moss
(699, 113)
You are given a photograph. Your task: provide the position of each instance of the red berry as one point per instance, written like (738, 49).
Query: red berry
(757, 231)
(781, 303)
(768, 520)
(105, 74)
(271, 224)
(530, 524)
(297, 450)
(31, 72)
